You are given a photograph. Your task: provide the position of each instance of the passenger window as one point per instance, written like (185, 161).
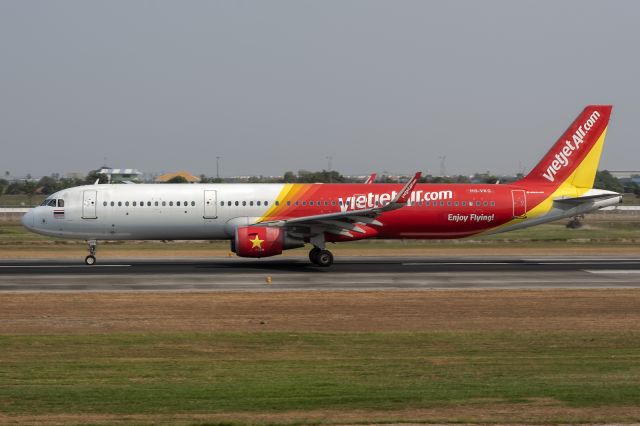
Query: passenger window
(237, 203)
(277, 203)
(304, 203)
(266, 203)
(134, 204)
(493, 203)
(221, 203)
(228, 203)
(104, 203)
(251, 203)
(441, 203)
(485, 204)
(112, 204)
(448, 203)
(119, 203)
(244, 203)
(164, 203)
(193, 204)
(178, 203)
(478, 203)
(464, 203)
(288, 203)
(310, 203)
(340, 202)
(427, 203)
(333, 203)
(455, 204)
(148, 203)
(156, 204)
(186, 203)
(126, 203)
(258, 203)
(170, 203)
(296, 203)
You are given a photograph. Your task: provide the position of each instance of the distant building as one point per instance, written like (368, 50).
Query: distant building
(121, 175)
(168, 176)
(626, 176)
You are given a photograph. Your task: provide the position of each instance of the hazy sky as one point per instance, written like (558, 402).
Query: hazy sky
(272, 86)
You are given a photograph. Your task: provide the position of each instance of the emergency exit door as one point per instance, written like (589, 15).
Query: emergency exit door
(89, 204)
(210, 205)
(519, 198)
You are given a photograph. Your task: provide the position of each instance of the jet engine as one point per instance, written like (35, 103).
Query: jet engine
(262, 241)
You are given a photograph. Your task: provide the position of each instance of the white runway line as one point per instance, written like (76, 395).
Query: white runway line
(62, 266)
(454, 263)
(626, 262)
(612, 271)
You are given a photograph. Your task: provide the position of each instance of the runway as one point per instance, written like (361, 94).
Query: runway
(348, 273)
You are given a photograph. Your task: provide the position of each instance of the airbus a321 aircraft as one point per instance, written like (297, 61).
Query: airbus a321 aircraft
(262, 220)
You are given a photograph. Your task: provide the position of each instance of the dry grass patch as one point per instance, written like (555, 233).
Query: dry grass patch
(354, 311)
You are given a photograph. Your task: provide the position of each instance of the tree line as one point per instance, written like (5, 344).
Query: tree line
(50, 184)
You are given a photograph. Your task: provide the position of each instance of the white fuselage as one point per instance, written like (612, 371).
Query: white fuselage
(154, 212)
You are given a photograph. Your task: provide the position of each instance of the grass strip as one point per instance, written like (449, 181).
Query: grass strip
(276, 372)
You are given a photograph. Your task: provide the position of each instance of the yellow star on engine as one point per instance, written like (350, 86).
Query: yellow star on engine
(256, 242)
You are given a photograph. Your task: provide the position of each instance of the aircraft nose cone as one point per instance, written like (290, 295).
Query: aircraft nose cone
(27, 220)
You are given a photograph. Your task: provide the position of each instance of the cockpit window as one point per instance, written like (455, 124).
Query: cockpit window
(60, 203)
(52, 203)
(44, 203)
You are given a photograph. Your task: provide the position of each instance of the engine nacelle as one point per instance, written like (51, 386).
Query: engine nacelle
(262, 241)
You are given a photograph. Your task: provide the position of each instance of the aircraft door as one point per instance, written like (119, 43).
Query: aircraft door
(519, 198)
(210, 204)
(89, 202)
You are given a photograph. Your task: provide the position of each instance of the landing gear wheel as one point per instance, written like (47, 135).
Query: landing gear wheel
(313, 255)
(93, 246)
(324, 258)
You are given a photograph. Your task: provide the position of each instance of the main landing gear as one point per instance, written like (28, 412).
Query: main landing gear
(321, 257)
(91, 259)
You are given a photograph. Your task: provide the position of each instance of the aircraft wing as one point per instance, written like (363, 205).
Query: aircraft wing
(343, 223)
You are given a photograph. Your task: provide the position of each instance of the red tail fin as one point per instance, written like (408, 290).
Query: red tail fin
(568, 155)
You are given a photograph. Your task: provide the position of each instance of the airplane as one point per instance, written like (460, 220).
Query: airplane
(371, 178)
(262, 220)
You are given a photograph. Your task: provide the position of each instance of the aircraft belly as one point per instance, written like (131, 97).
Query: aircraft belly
(166, 227)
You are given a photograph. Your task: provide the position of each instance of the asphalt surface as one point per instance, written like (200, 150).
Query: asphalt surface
(348, 273)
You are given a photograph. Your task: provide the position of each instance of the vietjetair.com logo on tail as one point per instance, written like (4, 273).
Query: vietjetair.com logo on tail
(570, 146)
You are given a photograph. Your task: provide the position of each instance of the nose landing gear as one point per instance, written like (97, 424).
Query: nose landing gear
(91, 259)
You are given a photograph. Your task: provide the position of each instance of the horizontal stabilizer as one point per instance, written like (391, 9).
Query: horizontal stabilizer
(592, 195)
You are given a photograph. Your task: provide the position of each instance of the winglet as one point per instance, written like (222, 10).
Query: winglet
(370, 179)
(405, 192)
